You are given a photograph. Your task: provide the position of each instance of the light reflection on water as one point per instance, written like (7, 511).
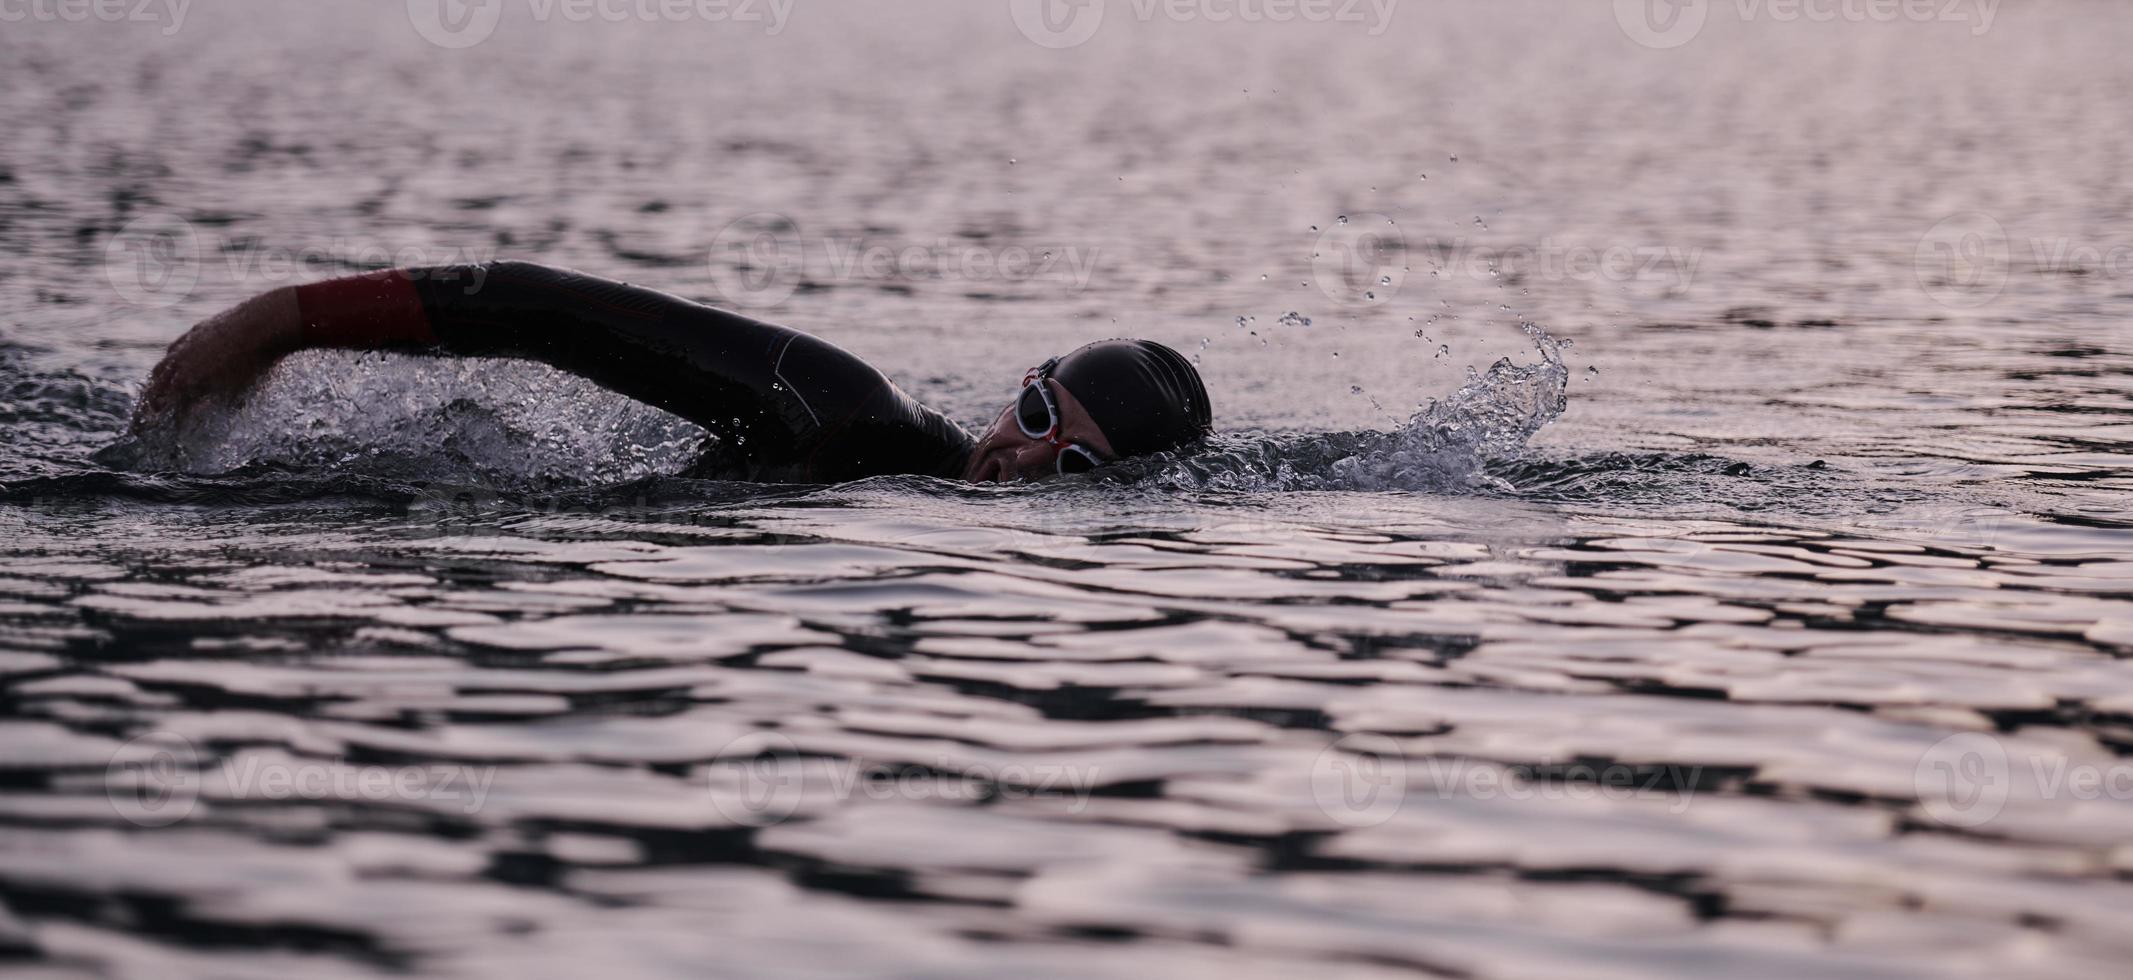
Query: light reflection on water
(1797, 645)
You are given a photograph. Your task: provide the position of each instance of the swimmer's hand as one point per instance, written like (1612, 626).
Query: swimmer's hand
(221, 358)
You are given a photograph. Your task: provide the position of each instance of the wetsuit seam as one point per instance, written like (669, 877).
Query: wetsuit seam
(777, 370)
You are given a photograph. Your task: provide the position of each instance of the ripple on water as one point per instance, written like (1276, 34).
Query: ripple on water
(1632, 749)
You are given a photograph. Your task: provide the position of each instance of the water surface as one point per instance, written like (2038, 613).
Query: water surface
(1778, 626)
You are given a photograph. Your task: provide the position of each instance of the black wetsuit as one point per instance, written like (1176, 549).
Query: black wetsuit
(783, 405)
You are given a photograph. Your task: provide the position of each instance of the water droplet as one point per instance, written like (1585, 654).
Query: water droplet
(1010, 161)
(1369, 295)
(1343, 219)
(1262, 277)
(1384, 280)
(1425, 177)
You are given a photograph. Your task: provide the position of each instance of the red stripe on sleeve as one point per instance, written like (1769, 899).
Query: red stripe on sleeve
(369, 311)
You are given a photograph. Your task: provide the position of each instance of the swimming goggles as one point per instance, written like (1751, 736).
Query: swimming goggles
(1037, 415)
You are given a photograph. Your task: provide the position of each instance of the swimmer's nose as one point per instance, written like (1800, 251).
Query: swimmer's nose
(1032, 459)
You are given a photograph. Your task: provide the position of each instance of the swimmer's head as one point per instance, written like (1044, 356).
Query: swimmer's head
(1105, 401)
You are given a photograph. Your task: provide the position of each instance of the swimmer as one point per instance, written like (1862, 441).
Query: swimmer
(787, 407)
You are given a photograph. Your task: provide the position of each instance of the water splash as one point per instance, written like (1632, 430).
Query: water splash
(1443, 446)
(475, 421)
(1490, 416)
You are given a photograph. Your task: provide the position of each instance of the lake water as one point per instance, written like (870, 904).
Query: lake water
(1776, 624)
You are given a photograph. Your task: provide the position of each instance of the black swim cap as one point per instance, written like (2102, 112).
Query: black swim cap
(1145, 396)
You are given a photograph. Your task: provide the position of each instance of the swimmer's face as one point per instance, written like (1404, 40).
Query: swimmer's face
(1004, 453)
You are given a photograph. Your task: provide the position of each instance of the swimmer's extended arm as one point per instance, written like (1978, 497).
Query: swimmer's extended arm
(786, 404)
(222, 355)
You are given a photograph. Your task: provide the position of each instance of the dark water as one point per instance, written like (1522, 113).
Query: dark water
(1778, 627)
